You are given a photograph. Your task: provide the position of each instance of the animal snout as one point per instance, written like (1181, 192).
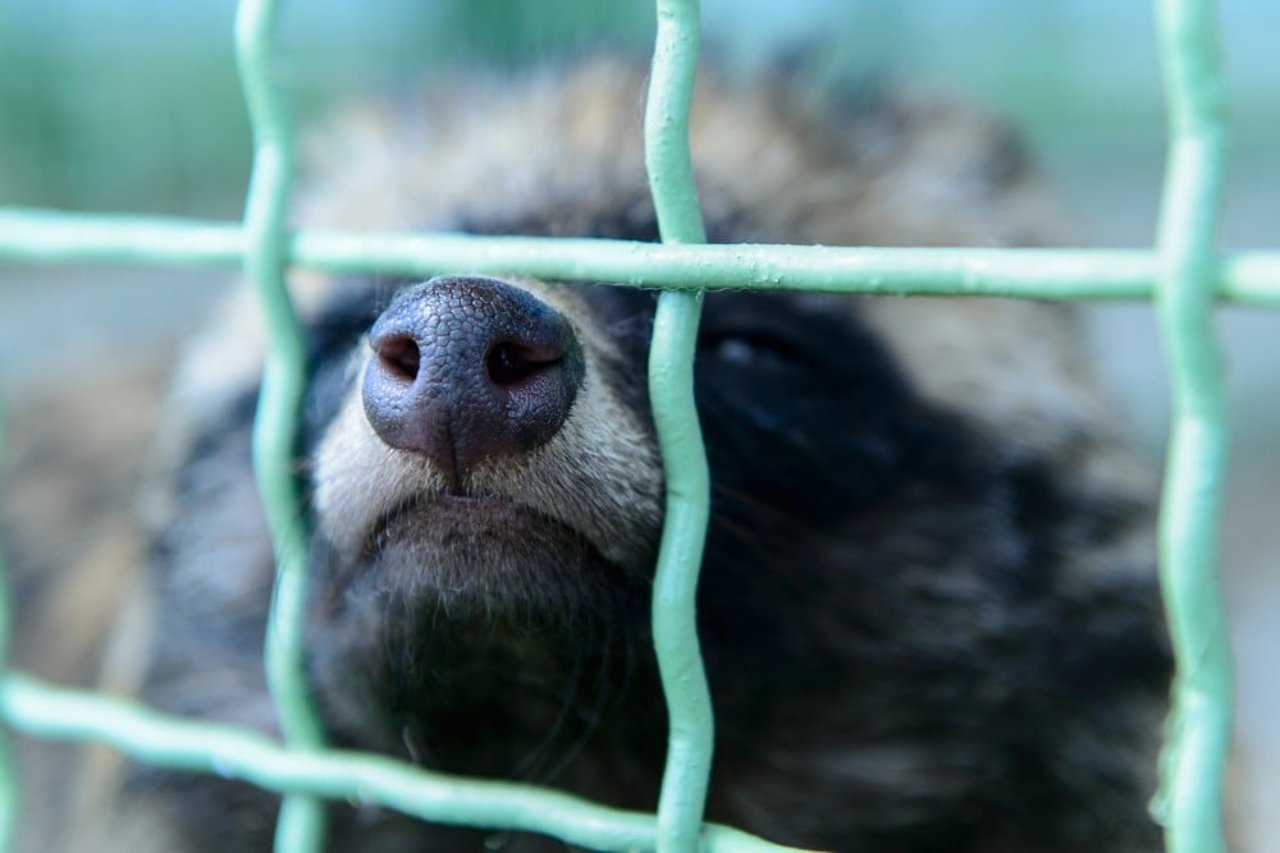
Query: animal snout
(466, 369)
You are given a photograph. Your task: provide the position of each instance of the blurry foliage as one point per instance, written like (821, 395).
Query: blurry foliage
(112, 105)
(506, 34)
(134, 104)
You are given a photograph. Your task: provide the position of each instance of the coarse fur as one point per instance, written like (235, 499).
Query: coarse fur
(927, 606)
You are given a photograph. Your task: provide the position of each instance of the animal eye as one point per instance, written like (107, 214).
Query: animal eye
(750, 348)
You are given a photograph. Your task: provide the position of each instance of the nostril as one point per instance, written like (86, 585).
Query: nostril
(510, 363)
(399, 356)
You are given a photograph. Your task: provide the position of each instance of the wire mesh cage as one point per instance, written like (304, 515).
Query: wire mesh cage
(1184, 275)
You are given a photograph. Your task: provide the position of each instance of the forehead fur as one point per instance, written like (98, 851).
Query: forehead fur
(907, 170)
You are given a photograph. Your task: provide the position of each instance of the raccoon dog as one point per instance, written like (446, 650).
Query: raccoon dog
(927, 610)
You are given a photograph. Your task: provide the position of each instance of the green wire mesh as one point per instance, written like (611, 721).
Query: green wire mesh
(38, 236)
(675, 338)
(1199, 726)
(300, 826)
(1185, 276)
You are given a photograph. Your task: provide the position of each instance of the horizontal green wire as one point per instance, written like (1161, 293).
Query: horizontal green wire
(691, 724)
(45, 711)
(1198, 740)
(39, 236)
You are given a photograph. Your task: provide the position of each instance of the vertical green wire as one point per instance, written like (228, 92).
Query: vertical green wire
(667, 157)
(301, 824)
(10, 789)
(1199, 729)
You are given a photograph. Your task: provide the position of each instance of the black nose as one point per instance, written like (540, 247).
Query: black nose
(467, 369)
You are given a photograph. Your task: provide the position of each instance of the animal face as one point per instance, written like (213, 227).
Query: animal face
(467, 390)
(925, 620)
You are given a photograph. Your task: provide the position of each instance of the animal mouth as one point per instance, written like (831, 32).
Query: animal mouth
(463, 520)
(478, 554)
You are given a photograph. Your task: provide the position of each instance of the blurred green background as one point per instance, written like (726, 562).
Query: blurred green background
(133, 105)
